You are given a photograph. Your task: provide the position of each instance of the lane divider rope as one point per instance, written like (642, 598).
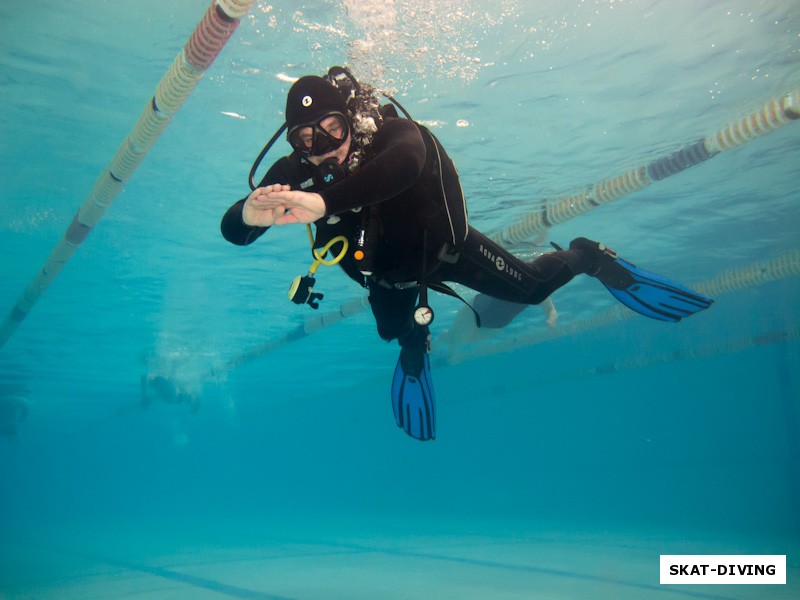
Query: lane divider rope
(214, 30)
(754, 274)
(772, 115)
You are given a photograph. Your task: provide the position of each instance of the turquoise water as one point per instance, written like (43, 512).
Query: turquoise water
(568, 458)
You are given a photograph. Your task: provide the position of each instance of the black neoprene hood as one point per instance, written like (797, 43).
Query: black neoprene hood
(310, 99)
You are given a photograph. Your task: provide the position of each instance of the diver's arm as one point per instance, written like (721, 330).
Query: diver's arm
(235, 230)
(294, 207)
(397, 164)
(248, 219)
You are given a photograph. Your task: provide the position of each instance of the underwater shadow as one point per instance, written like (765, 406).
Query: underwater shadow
(202, 582)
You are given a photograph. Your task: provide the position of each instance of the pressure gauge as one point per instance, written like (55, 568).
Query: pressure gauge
(423, 315)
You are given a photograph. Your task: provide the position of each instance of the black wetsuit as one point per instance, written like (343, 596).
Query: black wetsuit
(409, 193)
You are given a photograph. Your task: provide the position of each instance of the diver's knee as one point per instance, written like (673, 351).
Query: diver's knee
(393, 331)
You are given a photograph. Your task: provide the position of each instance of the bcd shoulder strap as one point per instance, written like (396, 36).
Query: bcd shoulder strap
(451, 194)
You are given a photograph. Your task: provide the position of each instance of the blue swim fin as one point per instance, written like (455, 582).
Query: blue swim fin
(413, 399)
(646, 293)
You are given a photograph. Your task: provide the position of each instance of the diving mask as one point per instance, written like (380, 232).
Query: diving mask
(321, 137)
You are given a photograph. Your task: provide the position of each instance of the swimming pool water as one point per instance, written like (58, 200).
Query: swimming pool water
(567, 458)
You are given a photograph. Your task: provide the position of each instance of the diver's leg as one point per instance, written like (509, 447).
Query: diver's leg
(393, 310)
(487, 267)
(413, 399)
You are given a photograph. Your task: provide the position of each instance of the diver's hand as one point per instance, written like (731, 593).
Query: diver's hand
(294, 207)
(256, 212)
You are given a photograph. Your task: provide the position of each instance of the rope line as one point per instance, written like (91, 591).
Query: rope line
(767, 338)
(214, 30)
(774, 114)
(757, 273)
(311, 325)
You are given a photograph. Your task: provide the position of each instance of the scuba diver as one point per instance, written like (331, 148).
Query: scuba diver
(158, 387)
(382, 189)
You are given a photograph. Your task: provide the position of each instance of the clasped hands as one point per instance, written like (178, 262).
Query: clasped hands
(278, 205)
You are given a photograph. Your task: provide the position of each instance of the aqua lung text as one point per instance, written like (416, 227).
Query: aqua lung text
(500, 263)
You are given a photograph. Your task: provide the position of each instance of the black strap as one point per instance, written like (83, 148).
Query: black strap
(443, 288)
(423, 282)
(440, 287)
